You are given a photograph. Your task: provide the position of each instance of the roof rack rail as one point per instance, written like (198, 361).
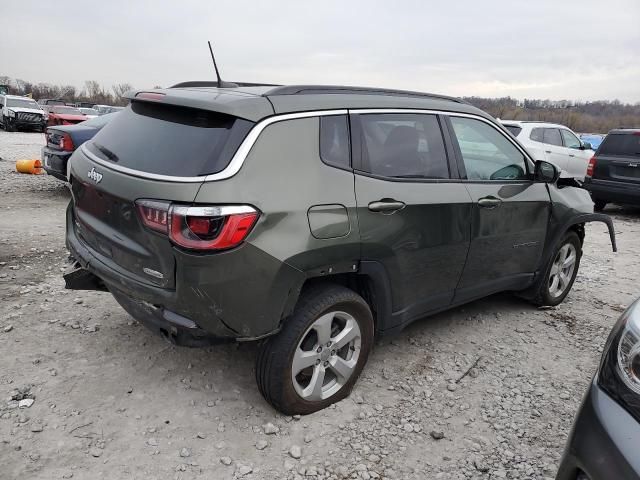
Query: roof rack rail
(213, 83)
(328, 89)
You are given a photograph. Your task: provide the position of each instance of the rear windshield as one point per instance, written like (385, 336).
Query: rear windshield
(513, 129)
(170, 140)
(622, 144)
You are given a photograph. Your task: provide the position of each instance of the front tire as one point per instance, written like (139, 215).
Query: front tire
(560, 272)
(317, 357)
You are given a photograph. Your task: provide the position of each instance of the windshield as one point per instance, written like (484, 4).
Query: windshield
(89, 111)
(66, 110)
(22, 103)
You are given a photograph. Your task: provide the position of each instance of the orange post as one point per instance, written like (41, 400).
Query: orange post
(32, 166)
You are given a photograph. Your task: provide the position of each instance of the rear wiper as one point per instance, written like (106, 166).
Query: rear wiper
(106, 152)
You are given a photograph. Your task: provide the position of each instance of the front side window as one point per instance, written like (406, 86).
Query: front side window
(552, 136)
(570, 140)
(487, 154)
(334, 140)
(403, 146)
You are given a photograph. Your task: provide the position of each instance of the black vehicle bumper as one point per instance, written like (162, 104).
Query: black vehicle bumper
(603, 444)
(54, 162)
(21, 123)
(208, 305)
(616, 192)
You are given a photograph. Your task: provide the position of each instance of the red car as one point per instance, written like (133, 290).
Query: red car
(63, 115)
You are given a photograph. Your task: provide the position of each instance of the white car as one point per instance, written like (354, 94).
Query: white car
(21, 112)
(554, 143)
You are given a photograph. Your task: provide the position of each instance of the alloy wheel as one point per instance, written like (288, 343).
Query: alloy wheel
(326, 356)
(562, 270)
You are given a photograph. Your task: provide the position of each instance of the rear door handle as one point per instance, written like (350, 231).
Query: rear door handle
(571, 155)
(547, 151)
(489, 202)
(386, 205)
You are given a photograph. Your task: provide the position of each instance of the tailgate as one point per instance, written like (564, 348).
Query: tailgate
(107, 221)
(618, 158)
(148, 152)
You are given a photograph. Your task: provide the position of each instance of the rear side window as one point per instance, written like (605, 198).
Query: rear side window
(513, 129)
(170, 140)
(621, 144)
(334, 140)
(403, 146)
(552, 136)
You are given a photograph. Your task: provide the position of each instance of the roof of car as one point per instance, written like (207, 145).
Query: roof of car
(255, 102)
(521, 123)
(625, 130)
(17, 96)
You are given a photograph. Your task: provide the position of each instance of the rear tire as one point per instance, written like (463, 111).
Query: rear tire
(598, 205)
(560, 272)
(317, 357)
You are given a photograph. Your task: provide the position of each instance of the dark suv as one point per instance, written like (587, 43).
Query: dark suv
(613, 174)
(311, 218)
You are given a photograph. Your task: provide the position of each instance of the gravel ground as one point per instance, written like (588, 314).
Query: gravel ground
(114, 401)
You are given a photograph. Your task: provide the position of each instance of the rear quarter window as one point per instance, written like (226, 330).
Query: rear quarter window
(170, 140)
(334, 141)
(621, 144)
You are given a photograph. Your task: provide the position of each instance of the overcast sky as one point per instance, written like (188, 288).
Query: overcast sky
(559, 49)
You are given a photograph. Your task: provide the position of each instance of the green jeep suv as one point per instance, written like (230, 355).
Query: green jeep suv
(311, 219)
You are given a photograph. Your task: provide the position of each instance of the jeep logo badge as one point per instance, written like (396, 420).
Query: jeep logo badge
(95, 176)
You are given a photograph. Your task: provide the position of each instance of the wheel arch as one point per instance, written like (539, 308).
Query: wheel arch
(370, 282)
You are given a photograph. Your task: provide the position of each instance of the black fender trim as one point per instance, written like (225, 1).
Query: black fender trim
(594, 217)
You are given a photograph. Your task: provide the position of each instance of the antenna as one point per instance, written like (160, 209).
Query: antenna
(221, 83)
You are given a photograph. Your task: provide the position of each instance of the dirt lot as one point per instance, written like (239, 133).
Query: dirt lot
(114, 401)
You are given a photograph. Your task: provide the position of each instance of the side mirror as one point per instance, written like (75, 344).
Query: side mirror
(546, 172)
(586, 146)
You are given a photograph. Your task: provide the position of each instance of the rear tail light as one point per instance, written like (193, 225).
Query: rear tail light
(199, 228)
(155, 215)
(66, 143)
(591, 167)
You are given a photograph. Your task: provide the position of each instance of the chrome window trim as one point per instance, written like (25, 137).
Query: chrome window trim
(236, 162)
(444, 112)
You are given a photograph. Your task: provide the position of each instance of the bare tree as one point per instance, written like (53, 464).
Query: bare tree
(119, 89)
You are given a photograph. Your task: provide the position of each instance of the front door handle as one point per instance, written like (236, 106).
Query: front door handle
(386, 205)
(571, 155)
(547, 151)
(489, 202)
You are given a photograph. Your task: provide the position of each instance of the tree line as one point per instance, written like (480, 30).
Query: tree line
(91, 91)
(598, 116)
(585, 117)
